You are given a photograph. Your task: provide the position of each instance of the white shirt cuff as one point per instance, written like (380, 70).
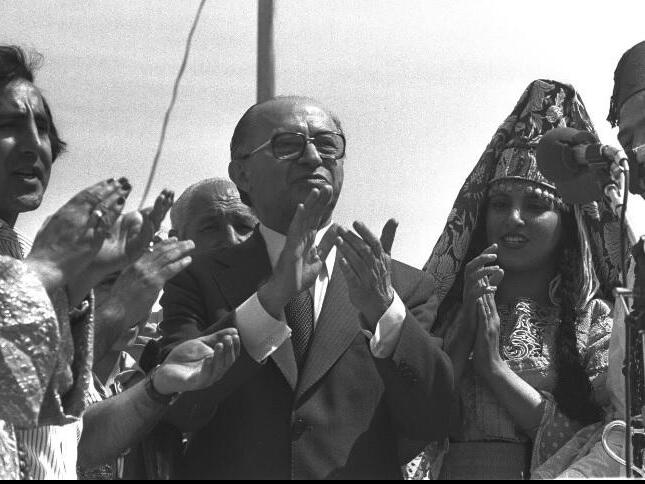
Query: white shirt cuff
(388, 329)
(260, 333)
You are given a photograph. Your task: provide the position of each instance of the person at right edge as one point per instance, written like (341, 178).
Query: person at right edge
(627, 111)
(336, 365)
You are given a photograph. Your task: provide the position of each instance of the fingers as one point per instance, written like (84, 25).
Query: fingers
(481, 309)
(350, 275)
(213, 338)
(327, 242)
(492, 274)
(481, 260)
(354, 250)
(162, 204)
(387, 235)
(111, 207)
(225, 344)
(95, 194)
(171, 249)
(496, 277)
(309, 214)
(169, 271)
(107, 210)
(490, 305)
(369, 238)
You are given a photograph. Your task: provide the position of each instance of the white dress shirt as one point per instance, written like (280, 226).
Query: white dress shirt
(262, 334)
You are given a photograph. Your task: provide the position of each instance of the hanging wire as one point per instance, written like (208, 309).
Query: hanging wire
(175, 89)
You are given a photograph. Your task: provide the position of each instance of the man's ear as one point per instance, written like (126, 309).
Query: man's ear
(238, 175)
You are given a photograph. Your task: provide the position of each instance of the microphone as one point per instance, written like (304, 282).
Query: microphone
(577, 163)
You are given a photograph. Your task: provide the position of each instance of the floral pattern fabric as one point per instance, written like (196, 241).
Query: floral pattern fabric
(530, 330)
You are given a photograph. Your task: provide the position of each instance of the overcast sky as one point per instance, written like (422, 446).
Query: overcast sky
(420, 86)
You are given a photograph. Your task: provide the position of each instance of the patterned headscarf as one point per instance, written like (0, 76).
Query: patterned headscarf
(544, 105)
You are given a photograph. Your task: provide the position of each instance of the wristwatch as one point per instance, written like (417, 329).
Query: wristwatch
(152, 392)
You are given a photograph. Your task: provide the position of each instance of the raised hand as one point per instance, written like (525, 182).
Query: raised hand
(300, 261)
(70, 239)
(198, 363)
(367, 270)
(480, 279)
(132, 234)
(137, 287)
(486, 348)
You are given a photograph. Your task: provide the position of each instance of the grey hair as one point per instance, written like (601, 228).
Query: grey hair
(179, 213)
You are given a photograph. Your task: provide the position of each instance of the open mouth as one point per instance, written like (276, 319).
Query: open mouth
(29, 174)
(514, 240)
(314, 179)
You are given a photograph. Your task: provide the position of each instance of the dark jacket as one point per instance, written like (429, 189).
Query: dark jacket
(342, 417)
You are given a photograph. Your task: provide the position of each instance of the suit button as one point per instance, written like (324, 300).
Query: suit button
(298, 428)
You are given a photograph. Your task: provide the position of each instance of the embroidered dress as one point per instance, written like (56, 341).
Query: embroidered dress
(527, 335)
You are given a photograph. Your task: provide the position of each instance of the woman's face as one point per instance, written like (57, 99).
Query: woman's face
(526, 228)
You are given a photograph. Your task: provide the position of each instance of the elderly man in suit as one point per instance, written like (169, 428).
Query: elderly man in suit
(336, 367)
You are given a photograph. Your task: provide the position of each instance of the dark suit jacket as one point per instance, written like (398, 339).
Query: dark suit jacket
(341, 417)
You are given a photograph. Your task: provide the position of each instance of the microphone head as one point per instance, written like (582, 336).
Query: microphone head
(555, 153)
(557, 156)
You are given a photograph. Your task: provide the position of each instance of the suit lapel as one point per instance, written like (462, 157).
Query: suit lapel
(247, 266)
(335, 330)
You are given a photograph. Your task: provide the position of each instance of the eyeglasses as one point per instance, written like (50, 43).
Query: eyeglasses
(639, 154)
(291, 145)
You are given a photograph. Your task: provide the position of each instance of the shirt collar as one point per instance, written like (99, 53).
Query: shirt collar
(275, 243)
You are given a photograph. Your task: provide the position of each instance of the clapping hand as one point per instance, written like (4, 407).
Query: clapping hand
(486, 348)
(198, 363)
(300, 261)
(367, 270)
(480, 279)
(128, 238)
(70, 239)
(137, 287)
(132, 233)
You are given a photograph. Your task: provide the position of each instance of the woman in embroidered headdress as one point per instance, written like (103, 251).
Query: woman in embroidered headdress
(521, 278)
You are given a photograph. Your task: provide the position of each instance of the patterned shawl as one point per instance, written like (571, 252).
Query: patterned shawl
(544, 105)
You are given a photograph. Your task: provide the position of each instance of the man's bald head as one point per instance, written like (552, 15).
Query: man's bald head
(211, 214)
(241, 141)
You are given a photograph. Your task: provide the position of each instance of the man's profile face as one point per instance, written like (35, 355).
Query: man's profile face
(218, 220)
(631, 123)
(276, 187)
(25, 148)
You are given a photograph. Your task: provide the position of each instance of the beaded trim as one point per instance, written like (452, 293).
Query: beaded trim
(542, 190)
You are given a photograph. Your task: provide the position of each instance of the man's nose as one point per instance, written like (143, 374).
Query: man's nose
(29, 139)
(233, 237)
(310, 156)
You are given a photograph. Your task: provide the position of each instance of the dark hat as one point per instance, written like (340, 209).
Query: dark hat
(629, 78)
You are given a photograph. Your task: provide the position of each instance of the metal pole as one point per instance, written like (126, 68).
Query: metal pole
(266, 57)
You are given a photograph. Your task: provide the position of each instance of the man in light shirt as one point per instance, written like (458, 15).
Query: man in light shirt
(335, 365)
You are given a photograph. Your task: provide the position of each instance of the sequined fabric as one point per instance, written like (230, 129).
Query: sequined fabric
(46, 359)
(29, 343)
